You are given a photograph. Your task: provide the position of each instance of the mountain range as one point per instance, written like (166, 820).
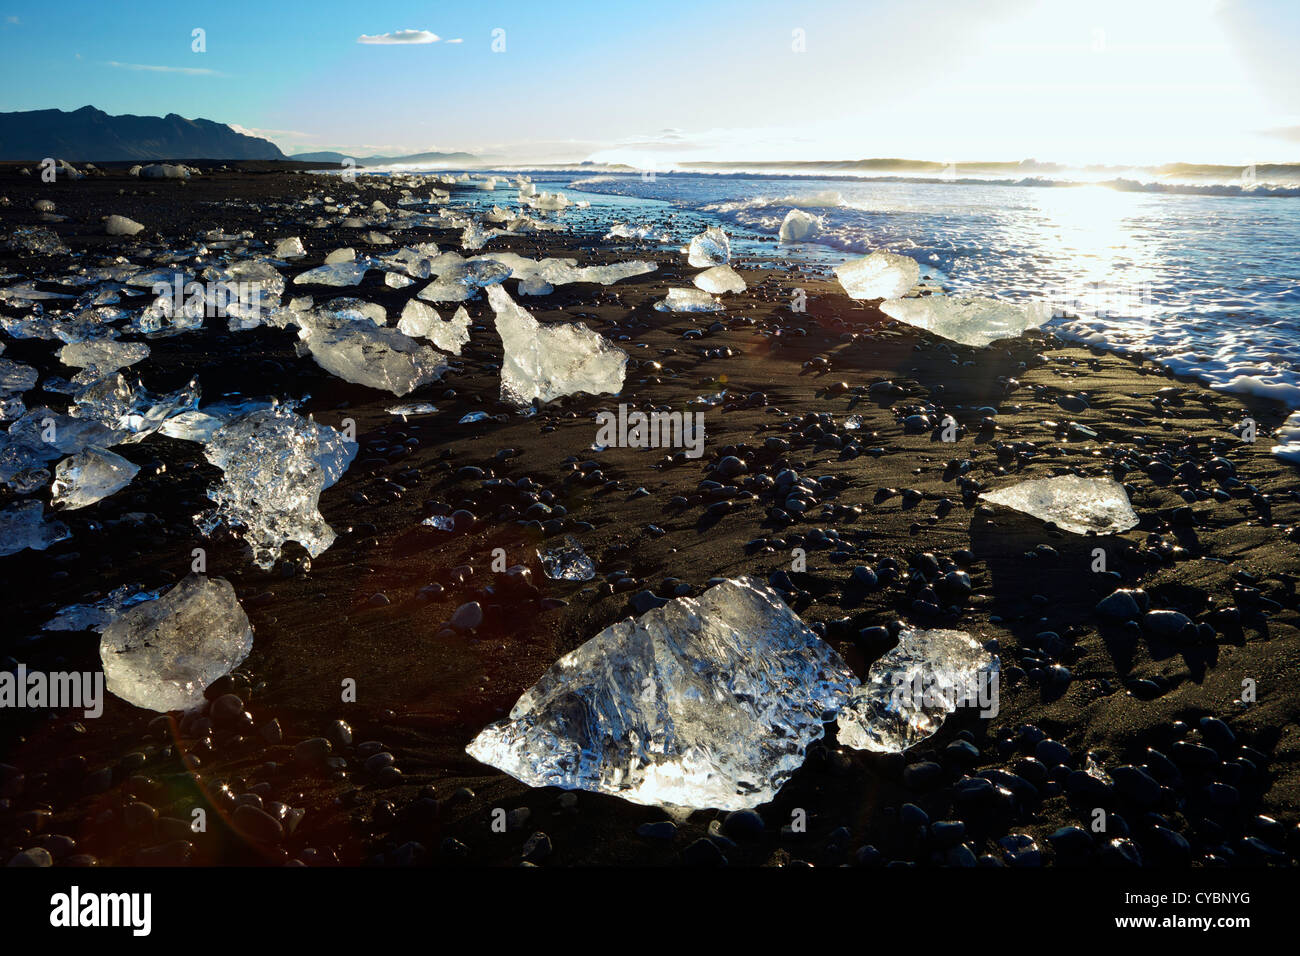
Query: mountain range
(89, 134)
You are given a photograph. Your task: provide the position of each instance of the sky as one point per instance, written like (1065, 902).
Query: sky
(651, 84)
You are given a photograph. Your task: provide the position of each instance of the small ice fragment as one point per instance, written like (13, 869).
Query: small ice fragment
(473, 417)
(45, 434)
(23, 526)
(800, 226)
(199, 425)
(623, 230)
(968, 320)
(104, 355)
(441, 522)
(1072, 503)
(345, 254)
(166, 171)
(419, 408)
(720, 279)
(380, 358)
(709, 248)
(549, 201)
(546, 361)
(90, 476)
(118, 404)
(565, 560)
(121, 226)
(881, 275)
(37, 240)
(162, 654)
(422, 321)
(96, 617)
(535, 285)
(704, 702)
(688, 300)
(911, 690)
(16, 377)
(853, 422)
(290, 248)
(338, 274)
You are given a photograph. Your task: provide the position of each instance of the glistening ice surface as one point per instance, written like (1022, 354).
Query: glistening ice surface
(160, 655)
(276, 464)
(1070, 502)
(705, 702)
(546, 361)
(911, 690)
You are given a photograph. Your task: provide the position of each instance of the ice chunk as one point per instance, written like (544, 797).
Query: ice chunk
(440, 522)
(969, 320)
(535, 285)
(344, 311)
(800, 226)
(24, 526)
(16, 377)
(421, 321)
(96, 617)
(460, 279)
(290, 248)
(336, 274)
(345, 254)
(689, 300)
(623, 230)
(119, 405)
(547, 201)
(709, 248)
(720, 279)
(416, 408)
(381, 358)
(37, 240)
(121, 226)
(564, 560)
(166, 171)
(1071, 502)
(48, 434)
(161, 655)
(90, 476)
(276, 465)
(881, 275)
(199, 425)
(546, 361)
(911, 690)
(105, 356)
(705, 702)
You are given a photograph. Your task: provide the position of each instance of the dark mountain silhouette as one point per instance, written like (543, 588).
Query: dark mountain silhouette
(89, 134)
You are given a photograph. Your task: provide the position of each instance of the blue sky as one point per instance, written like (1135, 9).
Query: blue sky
(654, 83)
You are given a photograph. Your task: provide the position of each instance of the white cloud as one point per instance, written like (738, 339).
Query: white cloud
(270, 133)
(400, 36)
(457, 40)
(187, 70)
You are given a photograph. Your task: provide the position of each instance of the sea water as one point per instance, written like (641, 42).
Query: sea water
(1204, 279)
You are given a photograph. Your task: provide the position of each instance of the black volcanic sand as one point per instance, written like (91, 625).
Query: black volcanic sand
(1218, 780)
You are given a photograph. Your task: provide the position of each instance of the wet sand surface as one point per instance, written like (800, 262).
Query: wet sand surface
(374, 607)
